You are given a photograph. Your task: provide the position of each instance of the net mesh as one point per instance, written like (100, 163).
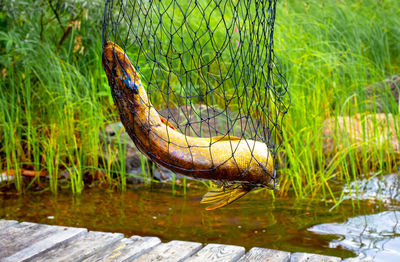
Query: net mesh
(208, 66)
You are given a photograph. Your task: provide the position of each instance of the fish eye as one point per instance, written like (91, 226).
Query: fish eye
(131, 84)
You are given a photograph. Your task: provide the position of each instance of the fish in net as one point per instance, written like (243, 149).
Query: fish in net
(214, 63)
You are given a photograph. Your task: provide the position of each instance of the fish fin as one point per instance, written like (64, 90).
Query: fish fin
(164, 121)
(225, 138)
(223, 196)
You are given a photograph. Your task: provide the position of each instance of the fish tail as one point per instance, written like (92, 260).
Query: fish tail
(223, 196)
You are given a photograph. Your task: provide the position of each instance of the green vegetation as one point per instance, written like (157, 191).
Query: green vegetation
(330, 52)
(55, 98)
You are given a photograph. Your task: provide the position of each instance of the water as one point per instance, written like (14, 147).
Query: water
(375, 237)
(257, 220)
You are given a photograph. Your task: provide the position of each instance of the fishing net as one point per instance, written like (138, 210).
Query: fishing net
(208, 66)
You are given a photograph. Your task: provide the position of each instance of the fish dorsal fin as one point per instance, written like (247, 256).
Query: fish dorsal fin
(223, 196)
(225, 138)
(165, 122)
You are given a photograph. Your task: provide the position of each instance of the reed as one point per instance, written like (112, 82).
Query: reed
(330, 52)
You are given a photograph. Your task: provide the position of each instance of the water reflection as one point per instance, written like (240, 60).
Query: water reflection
(375, 237)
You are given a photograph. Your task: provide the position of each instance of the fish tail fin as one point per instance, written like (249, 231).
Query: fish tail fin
(223, 196)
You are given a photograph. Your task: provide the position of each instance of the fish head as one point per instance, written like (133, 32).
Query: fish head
(126, 87)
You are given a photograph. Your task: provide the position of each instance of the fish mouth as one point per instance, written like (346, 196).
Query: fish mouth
(119, 70)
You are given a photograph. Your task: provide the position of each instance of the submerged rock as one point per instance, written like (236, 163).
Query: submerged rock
(372, 237)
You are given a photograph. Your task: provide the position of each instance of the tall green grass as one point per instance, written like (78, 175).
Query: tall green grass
(330, 51)
(55, 98)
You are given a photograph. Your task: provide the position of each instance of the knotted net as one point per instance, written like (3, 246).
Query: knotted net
(208, 66)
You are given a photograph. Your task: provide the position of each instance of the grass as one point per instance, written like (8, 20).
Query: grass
(55, 98)
(330, 52)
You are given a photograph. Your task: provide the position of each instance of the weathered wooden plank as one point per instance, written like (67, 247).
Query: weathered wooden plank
(18, 237)
(80, 248)
(217, 252)
(307, 257)
(173, 251)
(26, 240)
(6, 223)
(125, 249)
(265, 254)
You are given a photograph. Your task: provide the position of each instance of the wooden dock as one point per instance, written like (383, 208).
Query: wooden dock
(36, 242)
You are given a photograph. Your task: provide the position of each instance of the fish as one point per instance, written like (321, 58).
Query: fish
(239, 164)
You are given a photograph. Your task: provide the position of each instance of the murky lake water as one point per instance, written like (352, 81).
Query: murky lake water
(254, 221)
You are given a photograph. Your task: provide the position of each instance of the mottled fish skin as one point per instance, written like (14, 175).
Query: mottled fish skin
(208, 158)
